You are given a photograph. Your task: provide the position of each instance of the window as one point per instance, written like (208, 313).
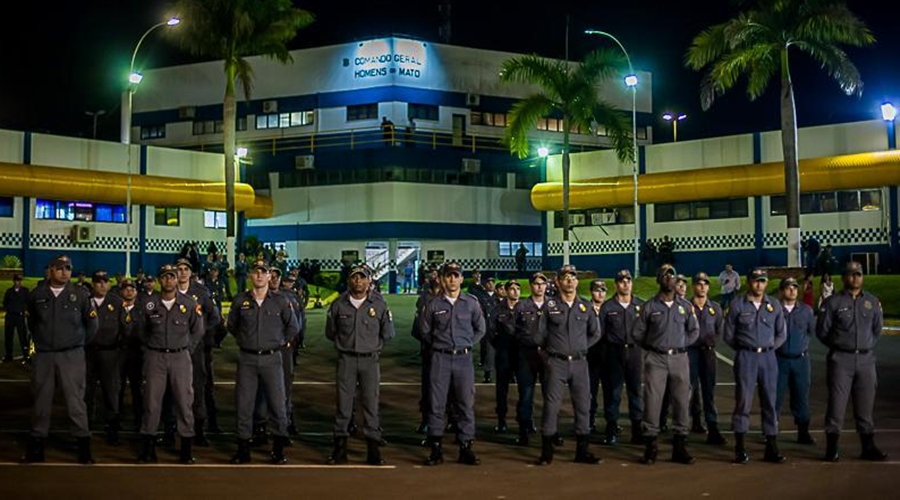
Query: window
(216, 126)
(215, 220)
(79, 210)
(701, 210)
(423, 112)
(830, 201)
(285, 120)
(489, 119)
(6, 206)
(610, 216)
(362, 112)
(167, 216)
(509, 248)
(153, 132)
(110, 213)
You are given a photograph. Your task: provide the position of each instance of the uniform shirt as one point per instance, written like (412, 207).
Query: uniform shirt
(660, 327)
(181, 327)
(568, 330)
(528, 321)
(424, 296)
(111, 323)
(130, 317)
(63, 321)
(503, 324)
(445, 325)
(617, 322)
(363, 330)
(848, 324)
(801, 326)
(749, 327)
(262, 327)
(711, 321)
(292, 297)
(15, 301)
(211, 314)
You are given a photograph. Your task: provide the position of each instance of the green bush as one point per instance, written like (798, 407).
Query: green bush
(327, 279)
(11, 262)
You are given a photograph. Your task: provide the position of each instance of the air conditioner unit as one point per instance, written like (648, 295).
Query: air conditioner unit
(473, 100)
(471, 165)
(304, 162)
(82, 233)
(187, 112)
(270, 106)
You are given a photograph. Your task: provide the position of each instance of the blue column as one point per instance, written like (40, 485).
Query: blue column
(758, 216)
(892, 134)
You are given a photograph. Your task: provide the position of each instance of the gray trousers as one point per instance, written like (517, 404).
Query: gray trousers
(752, 368)
(452, 372)
(849, 375)
(171, 370)
(67, 367)
(261, 374)
(559, 373)
(663, 371)
(287, 368)
(366, 371)
(487, 354)
(104, 367)
(198, 361)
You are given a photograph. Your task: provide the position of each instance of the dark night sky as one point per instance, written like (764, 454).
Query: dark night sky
(64, 60)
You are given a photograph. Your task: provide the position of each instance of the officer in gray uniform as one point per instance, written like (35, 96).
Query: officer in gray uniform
(289, 354)
(793, 358)
(171, 327)
(529, 314)
(568, 329)
(502, 335)
(452, 324)
(702, 356)
(61, 320)
(359, 323)
(261, 320)
(849, 324)
(664, 327)
(104, 355)
(133, 356)
(754, 328)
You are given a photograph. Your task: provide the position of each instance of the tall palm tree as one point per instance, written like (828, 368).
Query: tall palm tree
(569, 91)
(232, 30)
(756, 45)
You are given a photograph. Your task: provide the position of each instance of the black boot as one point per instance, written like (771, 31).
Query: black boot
(869, 450)
(422, 428)
(546, 457)
(679, 450)
(522, 440)
(740, 452)
(148, 449)
(352, 429)
(112, 433)
(651, 450)
(637, 435)
(610, 438)
(339, 453)
(437, 450)
(832, 454)
(84, 451)
(501, 426)
(243, 453)
(214, 425)
(803, 436)
(715, 437)
(557, 440)
(199, 434)
(772, 454)
(260, 435)
(186, 456)
(697, 426)
(467, 454)
(373, 452)
(582, 455)
(487, 378)
(277, 457)
(34, 451)
(168, 437)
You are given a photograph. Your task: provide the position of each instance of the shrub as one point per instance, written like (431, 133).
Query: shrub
(10, 262)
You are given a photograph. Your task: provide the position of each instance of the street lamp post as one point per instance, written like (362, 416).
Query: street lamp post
(631, 80)
(134, 78)
(94, 115)
(674, 118)
(889, 114)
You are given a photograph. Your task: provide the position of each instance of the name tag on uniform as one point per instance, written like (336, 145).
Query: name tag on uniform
(554, 311)
(438, 313)
(655, 313)
(746, 314)
(40, 301)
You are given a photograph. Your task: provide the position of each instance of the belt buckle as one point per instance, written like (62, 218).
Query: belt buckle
(670, 352)
(758, 350)
(569, 358)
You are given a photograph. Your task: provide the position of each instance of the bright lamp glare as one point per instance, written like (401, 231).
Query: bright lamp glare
(135, 78)
(631, 80)
(543, 152)
(173, 21)
(667, 117)
(241, 152)
(681, 117)
(888, 112)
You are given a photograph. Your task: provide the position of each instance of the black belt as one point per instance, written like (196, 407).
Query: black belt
(756, 349)
(668, 352)
(791, 356)
(567, 357)
(359, 354)
(707, 347)
(462, 350)
(102, 347)
(167, 351)
(64, 349)
(852, 351)
(262, 352)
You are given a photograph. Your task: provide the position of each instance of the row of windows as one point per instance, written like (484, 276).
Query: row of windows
(858, 200)
(216, 126)
(305, 178)
(80, 211)
(701, 210)
(509, 248)
(596, 217)
(285, 120)
(6, 206)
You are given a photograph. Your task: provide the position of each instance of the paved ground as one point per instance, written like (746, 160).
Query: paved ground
(506, 471)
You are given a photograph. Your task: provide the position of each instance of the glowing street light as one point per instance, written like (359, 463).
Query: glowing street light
(674, 118)
(889, 114)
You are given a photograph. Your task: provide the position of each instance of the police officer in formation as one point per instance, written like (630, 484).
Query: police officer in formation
(702, 357)
(451, 324)
(755, 328)
(793, 358)
(529, 314)
(849, 324)
(598, 297)
(432, 288)
(621, 359)
(261, 321)
(15, 301)
(104, 355)
(502, 336)
(132, 364)
(484, 293)
(61, 320)
(359, 323)
(171, 327)
(665, 326)
(566, 331)
(289, 354)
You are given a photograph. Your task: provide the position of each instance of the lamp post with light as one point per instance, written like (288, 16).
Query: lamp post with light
(674, 118)
(889, 114)
(631, 81)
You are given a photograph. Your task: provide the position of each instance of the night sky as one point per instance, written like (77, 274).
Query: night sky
(64, 60)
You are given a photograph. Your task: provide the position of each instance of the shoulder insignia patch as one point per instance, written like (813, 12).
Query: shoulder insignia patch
(73, 298)
(199, 310)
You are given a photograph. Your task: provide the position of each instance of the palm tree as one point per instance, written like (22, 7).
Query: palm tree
(232, 30)
(570, 92)
(756, 44)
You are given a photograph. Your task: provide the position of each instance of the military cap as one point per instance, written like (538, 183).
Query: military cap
(537, 276)
(567, 269)
(788, 282)
(598, 285)
(167, 269)
(359, 270)
(99, 276)
(758, 274)
(700, 277)
(511, 283)
(666, 269)
(451, 268)
(127, 282)
(17, 277)
(623, 275)
(181, 261)
(853, 267)
(61, 261)
(260, 264)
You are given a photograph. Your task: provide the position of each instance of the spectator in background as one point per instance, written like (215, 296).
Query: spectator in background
(387, 131)
(408, 277)
(827, 262)
(411, 133)
(826, 289)
(667, 251)
(812, 247)
(730, 281)
(520, 259)
(807, 289)
(240, 272)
